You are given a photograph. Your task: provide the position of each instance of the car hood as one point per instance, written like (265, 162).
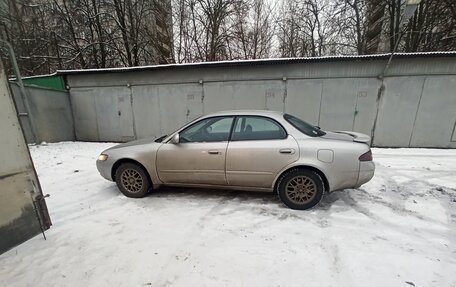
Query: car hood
(132, 143)
(347, 136)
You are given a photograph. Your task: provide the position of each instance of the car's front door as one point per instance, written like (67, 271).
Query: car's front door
(258, 150)
(199, 157)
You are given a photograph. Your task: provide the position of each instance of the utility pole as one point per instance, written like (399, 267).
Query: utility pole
(410, 8)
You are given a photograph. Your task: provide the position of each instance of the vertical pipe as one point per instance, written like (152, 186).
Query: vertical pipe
(21, 87)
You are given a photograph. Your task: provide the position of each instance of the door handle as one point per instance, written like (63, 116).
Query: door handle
(287, 150)
(213, 152)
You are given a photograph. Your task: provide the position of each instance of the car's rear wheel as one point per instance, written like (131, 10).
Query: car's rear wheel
(132, 180)
(300, 189)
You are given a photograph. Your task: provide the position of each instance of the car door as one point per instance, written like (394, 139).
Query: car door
(200, 155)
(259, 148)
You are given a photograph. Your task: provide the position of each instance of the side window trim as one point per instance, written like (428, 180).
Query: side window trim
(233, 125)
(204, 119)
(255, 116)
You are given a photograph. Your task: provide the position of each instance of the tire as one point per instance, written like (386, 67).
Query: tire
(300, 189)
(132, 180)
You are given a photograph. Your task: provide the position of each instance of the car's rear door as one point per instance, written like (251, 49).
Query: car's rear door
(259, 148)
(199, 157)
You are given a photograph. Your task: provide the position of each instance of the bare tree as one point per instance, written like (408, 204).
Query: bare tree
(203, 28)
(210, 16)
(21, 24)
(352, 22)
(288, 27)
(183, 43)
(305, 28)
(432, 28)
(139, 38)
(68, 34)
(253, 30)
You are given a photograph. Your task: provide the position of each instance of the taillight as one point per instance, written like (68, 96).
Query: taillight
(366, 156)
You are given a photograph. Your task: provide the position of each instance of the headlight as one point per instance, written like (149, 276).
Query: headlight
(102, 157)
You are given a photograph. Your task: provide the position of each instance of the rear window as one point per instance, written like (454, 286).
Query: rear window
(304, 127)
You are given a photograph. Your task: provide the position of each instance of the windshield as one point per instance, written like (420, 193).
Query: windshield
(304, 127)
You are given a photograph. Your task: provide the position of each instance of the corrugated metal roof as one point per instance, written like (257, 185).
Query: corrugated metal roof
(256, 62)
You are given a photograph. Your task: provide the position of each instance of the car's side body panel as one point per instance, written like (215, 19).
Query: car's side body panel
(193, 163)
(145, 154)
(249, 164)
(256, 163)
(342, 172)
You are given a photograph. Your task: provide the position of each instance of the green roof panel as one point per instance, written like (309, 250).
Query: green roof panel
(54, 82)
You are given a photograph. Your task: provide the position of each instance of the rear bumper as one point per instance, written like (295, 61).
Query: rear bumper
(366, 172)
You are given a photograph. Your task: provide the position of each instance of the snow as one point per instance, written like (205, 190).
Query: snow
(254, 61)
(397, 230)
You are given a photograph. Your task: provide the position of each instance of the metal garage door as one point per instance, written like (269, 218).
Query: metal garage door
(103, 114)
(23, 212)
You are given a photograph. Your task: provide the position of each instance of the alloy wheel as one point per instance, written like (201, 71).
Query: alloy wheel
(301, 189)
(132, 180)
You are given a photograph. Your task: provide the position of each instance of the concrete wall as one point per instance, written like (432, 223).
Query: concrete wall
(19, 186)
(50, 115)
(416, 109)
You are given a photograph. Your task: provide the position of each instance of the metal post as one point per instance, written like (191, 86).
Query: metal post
(21, 86)
(410, 8)
(399, 38)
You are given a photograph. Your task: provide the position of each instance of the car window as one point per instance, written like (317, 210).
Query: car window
(303, 126)
(257, 128)
(208, 130)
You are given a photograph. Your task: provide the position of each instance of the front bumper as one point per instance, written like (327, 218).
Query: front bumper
(104, 168)
(366, 172)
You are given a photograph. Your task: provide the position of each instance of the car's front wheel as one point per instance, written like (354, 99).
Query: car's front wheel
(300, 189)
(132, 180)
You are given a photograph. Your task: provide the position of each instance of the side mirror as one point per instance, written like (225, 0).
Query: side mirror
(175, 139)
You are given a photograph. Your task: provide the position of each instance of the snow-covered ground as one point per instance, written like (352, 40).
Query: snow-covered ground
(397, 230)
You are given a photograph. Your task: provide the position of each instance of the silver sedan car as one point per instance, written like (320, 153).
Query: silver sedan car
(246, 150)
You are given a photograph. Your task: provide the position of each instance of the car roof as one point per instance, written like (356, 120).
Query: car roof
(245, 112)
